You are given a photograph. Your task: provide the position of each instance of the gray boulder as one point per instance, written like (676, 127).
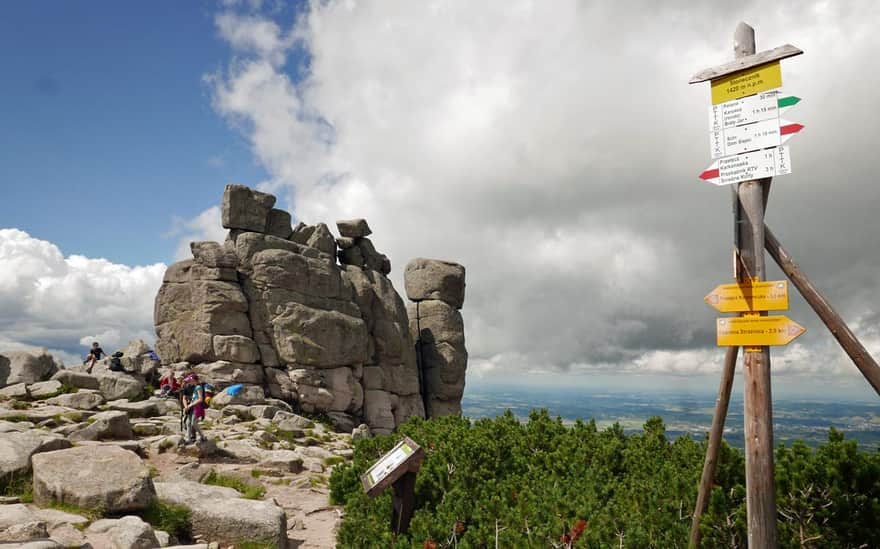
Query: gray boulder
(353, 228)
(44, 389)
(246, 209)
(105, 425)
(129, 532)
(17, 449)
(26, 367)
(93, 477)
(219, 514)
(140, 409)
(74, 378)
(116, 385)
(248, 395)
(19, 390)
(236, 348)
(435, 279)
(279, 224)
(83, 399)
(19, 524)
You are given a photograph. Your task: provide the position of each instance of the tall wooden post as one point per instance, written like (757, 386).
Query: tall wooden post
(758, 407)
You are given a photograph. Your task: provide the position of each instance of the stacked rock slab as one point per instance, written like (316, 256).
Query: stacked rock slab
(437, 289)
(271, 308)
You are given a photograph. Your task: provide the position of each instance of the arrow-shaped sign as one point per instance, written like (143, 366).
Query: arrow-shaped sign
(757, 331)
(752, 165)
(752, 137)
(771, 295)
(754, 108)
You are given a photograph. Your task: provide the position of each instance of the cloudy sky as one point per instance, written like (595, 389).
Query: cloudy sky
(550, 147)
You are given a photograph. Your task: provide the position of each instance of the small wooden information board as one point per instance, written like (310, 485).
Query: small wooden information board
(398, 469)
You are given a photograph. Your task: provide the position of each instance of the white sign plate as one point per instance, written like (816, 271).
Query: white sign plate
(751, 137)
(754, 108)
(748, 166)
(390, 462)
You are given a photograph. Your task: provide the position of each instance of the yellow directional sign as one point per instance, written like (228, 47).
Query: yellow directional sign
(757, 331)
(746, 82)
(771, 295)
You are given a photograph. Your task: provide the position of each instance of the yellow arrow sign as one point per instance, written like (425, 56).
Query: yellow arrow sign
(771, 295)
(746, 82)
(757, 331)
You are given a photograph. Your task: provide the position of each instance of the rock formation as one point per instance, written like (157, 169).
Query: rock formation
(437, 290)
(272, 309)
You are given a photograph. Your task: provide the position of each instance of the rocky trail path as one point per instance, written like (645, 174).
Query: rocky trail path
(78, 470)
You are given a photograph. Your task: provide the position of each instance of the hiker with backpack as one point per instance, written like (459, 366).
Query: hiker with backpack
(193, 409)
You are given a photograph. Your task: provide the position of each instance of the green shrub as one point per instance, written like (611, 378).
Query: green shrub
(174, 519)
(531, 484)
(20, 485)
(249, 491)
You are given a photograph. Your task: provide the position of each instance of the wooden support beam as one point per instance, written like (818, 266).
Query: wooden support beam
(856, 351)
(715, 435)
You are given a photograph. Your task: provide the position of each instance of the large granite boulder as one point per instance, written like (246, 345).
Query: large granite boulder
(20, 524)
(219, 514)
(116, 385)
(78, 379)
(83, 399)
(93, 477)
(112, 424)
(245, 208)
(17, 449)
(26, 367)
(129, 532)
(435, 279)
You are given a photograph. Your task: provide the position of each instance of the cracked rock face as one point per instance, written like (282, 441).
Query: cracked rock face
(285, 310)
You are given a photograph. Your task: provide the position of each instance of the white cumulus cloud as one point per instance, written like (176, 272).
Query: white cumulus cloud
(552, 148)
(49, 300)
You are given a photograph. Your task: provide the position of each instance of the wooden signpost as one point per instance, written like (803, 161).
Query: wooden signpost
(745, 137)
(397, 469)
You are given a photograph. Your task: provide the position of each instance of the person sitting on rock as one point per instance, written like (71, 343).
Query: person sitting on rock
(193, 408)
(169, 385)
(95, 354)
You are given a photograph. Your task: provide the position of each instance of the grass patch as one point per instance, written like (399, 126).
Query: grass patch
(256, 473)
(321, 418)
(19, 405)
(165, 445)
(333, 460)
(311, 441)
(19, 485)
(174, 519)
(247, 491)
(316, 481)
(154, 472)
(16, 418)
(91, 514)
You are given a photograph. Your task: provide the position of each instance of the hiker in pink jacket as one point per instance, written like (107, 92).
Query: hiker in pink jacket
(193, 408)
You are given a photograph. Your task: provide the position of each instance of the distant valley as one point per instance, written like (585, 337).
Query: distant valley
(807, 420)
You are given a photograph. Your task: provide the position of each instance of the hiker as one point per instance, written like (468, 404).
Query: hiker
(193, 408)
(95, 355)
(170, 386)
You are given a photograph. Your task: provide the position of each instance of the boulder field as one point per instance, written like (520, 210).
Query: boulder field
(80, 470)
